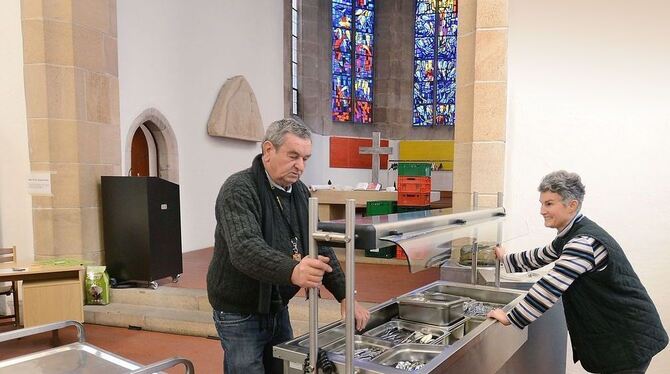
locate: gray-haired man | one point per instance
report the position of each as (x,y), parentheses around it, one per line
(259,260)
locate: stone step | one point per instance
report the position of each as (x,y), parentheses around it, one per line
(152,318)
(164,297)
(187,311)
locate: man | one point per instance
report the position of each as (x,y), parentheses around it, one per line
(260,253)
(613,324)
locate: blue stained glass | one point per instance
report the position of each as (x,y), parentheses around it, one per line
(352,39)
(436,21)
(445,115)
(341,16)
(363,89)
(446,48)
(363,44)
(364,66)
(423,115)
(423,93)
(341,110)
(363,112)
(424,48)
(341,84)
(424,70)
(425,6)
(341,41)
(425,25)
(365,20)
(446,70)
(446,92)
(451,5)
(448,23)
(365,4)
(341,63)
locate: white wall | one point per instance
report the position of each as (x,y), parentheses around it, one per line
(16,225)
(588,92)
(174,56)
(319,172)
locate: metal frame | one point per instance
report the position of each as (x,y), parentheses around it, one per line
(133,367)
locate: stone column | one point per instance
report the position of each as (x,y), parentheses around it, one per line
(72,104)
(481,79)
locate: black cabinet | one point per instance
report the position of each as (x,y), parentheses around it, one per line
(142,229)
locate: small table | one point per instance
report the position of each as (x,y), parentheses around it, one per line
(51,293)
(332,203)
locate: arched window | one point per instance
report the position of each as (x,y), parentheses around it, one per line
(353,33)
(435,32)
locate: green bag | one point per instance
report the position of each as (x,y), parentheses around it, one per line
(97,285)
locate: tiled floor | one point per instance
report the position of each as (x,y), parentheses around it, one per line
(375,283)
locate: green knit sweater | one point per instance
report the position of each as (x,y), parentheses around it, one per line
(244,268)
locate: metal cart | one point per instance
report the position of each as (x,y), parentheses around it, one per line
(77,358)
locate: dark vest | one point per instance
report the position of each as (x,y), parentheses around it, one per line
(613,323)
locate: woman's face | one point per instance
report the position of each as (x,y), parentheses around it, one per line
(555,212)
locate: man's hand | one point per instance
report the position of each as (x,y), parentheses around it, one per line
(361,314)
(500,252)
(499,315)
(309,272)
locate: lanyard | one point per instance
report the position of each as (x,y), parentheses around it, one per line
(294,240)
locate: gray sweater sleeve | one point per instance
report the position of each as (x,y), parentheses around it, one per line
(238,210)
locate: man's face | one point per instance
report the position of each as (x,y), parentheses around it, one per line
(556,214)
(286,164)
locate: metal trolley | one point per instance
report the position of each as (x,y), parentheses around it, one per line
(77,358)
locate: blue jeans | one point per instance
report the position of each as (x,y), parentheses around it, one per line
(247,340)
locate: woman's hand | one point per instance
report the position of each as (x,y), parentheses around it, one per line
(500,252)
(499,315)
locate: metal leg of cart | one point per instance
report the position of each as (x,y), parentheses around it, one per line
(79,357)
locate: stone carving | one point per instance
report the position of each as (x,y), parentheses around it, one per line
(235,113)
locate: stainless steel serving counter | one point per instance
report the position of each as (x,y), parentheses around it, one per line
(467,345)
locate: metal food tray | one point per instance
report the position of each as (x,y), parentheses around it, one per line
(326,337)
(361,343)
(435,308)
(406,330)
(77,358)
(408,352)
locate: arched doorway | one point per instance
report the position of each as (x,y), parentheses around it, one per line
(144,162)
(161,143)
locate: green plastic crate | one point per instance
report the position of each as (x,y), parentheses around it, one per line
(405,209)
(386,252)
(414,169)
(380,207)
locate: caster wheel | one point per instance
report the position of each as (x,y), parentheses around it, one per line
(113,283)
(175,278)
(153,285)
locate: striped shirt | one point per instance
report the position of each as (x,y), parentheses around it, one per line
(582,254)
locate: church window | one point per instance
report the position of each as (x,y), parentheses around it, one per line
(435,32)
(352,56)
(294,57)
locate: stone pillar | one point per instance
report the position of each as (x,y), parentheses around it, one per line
(72,104)
(481,80)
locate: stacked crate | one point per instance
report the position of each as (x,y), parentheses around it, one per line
(414,186)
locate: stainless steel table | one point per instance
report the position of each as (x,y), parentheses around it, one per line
(77,358)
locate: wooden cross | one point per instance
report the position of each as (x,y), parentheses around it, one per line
(375,151)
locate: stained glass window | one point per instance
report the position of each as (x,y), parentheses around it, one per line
(353,24)
(435,33)
(294,57)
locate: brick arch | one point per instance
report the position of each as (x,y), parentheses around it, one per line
(166,143)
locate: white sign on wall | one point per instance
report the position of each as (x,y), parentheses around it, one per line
(39,183)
